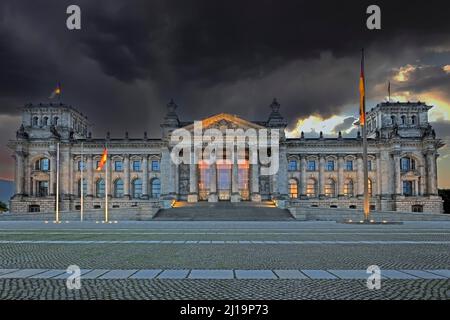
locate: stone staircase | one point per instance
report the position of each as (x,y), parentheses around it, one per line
(224,211)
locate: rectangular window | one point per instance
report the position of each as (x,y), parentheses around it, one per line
(349,165)
(81,165)
(137,165)
(292,165)
(407,188)
(155,165)
(369,165)
(42,188)
(45,164)
(118,165)
(330,165)
(311,165)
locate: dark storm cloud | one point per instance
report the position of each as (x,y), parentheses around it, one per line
(345,125)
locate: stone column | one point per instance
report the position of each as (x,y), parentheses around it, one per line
(65,173)
(212,197)
(90,176)
(193,179)
(145,177)
(321,176)
(303,177)
(235,196)
(256,196)
(110,178)
(27,172)
(431,164)
(379,175)
(126,182)
(19,173)
(52,183)
(397,174)
(360,177)
(282,177)
(341,179)
(422,181)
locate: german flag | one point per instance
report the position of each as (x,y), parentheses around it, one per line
(103,160)
(362,94)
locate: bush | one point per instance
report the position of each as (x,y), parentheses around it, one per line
(3,207)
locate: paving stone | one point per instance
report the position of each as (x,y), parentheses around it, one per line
(350,274)
(4,271)
(65,275)
(117,274)
(423,274)
(444,273)
(290,274)
(48,274)
(94,274)
(318,274)
(24,273)
(173,274)
(396,274)
(211,274)
(146,274)
(255,274)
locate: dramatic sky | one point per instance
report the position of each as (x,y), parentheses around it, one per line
(131,57)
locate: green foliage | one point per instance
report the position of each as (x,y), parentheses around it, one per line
(3,207)
(445,194)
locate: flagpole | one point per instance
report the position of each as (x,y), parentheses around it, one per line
(57,183)
(106,186)
(364,134)
(82,183)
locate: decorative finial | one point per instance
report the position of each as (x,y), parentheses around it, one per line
(321,135)
(145,135)
(126,135)
(108,135)
(171,106)
(275,105)
(302,135)
(340,135)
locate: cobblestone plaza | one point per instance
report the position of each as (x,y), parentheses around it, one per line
(224,260)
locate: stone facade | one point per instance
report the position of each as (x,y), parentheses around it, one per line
(320,172)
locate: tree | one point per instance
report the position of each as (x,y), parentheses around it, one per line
(3,207)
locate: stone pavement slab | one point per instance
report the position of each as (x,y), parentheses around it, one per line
(146,274)
(23,273)
(173,274)
(211,274)
(118,274)
(423,274)
(94,274)
(255,274)
(4,271)
(48,274)
(318,274)
(396,274)
(444,273)
(65,275)
(350,274)
(290,274)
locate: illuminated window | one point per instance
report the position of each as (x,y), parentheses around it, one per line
(330,188)
(369,183)
(293,188)
(348,188)
(311,188)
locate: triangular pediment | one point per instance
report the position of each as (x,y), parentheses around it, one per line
(225,120)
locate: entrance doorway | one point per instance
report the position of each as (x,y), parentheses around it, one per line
(224,180)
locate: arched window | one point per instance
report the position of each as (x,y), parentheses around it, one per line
(156,188)
(330,188)
(84,187)
(42,164)
(369,184)
(403,120)
(293,189)
(413,120)
(35,121)
(45,121)
(100,188)
(393,120)
(348,188)
(118,188)
(55,121)
(136,188)
(311,188)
